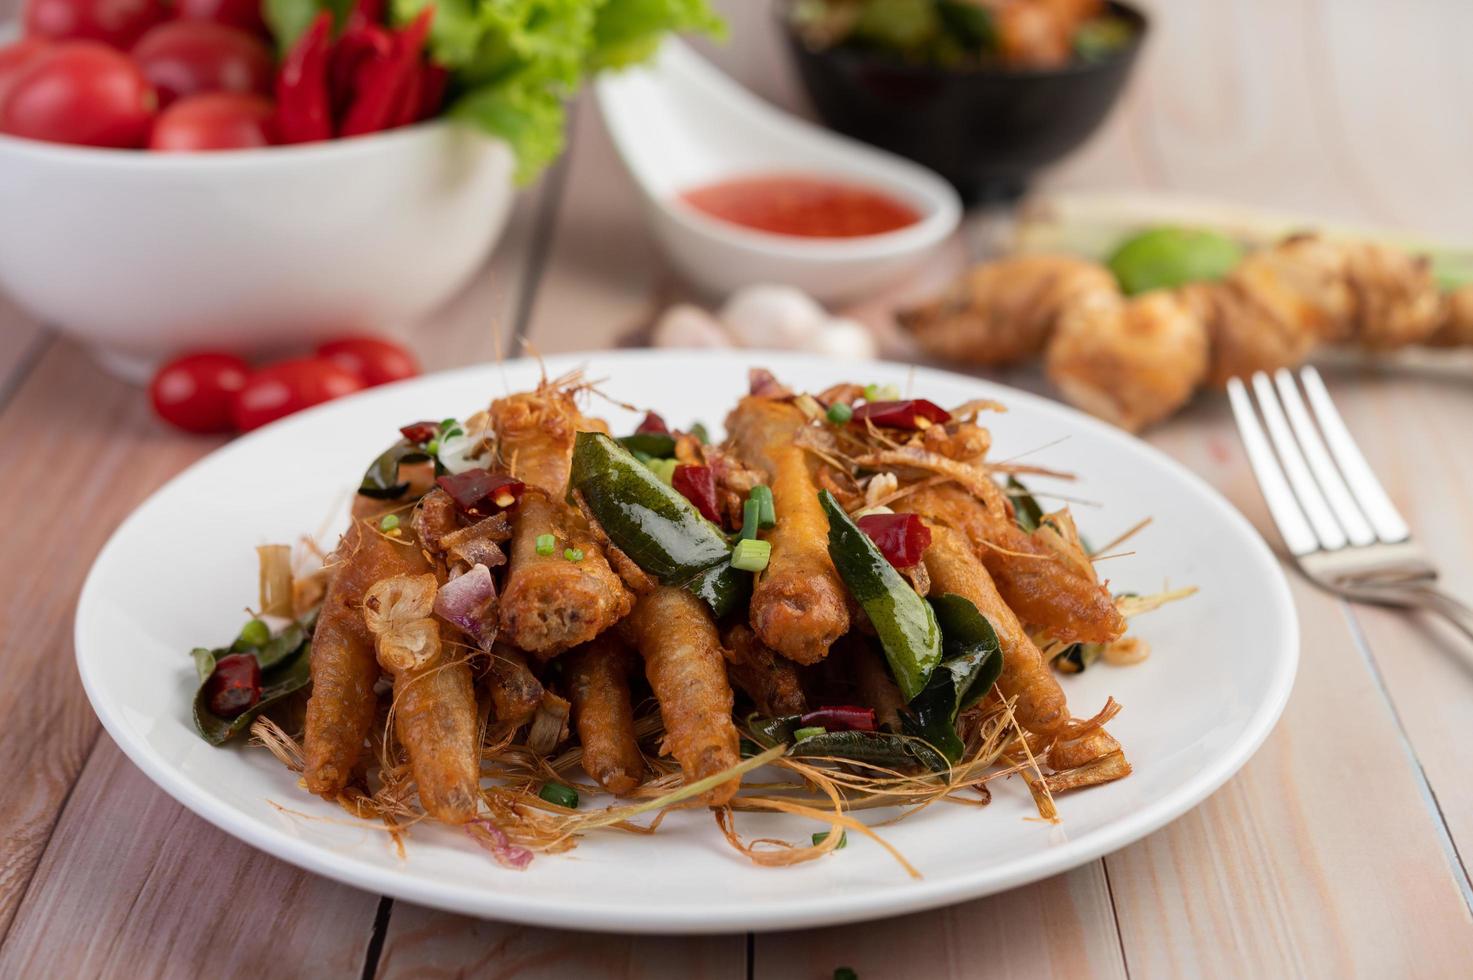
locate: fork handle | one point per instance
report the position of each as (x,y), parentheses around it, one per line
(1450,608)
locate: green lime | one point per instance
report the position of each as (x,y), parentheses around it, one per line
(1163,258)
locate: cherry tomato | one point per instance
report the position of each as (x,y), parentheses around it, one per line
(289,386)
(213,121)
(16,57)
(375,360)
(186,57)
(244,14)
(194,392)
(115,22)
(79,92)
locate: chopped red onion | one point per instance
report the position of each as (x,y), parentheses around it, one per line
(468,602)
(500,846)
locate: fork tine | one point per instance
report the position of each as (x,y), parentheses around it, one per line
(1369,493)
(1321,518)
(1336,492)
(1299,537)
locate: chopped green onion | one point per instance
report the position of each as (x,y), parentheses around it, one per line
(546,544)
(763,496)
(559,795)
(843,842)
(573,554)
(447,424)
(432,447)
(840,414)
(751,555)
(389,522)
(699,431)
(452,432)
(802,733)
(881,393)
(255,634)
(751,518)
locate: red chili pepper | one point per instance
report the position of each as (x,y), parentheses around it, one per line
(357,48)
(433,80)
(901,538)
(406,103)
(652,423)
(481,493)
(901,415)
(840,718)
(420,432)
(303,109)
(365,13)
(235,685)
(698,485)
(382,80)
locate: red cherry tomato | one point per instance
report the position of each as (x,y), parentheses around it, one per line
(244,14)
(186,57)
(79,92)
(373,359)
(115,22)
(16,57)
(213,121)
(289,386)
(194,392)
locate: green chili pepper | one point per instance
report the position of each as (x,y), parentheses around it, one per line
(559,795)
(904,622)
(654,524)
(972,661)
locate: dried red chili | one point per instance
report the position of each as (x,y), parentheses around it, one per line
(915,413)
(698,485)
(840,718)
(358,47)
(481,493)
(234,686)
(420,432)
(303,106)
(652,423)
(901,538)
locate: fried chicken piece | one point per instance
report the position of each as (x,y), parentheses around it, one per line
(798,605)
(1456,326)
(341,708)
(1004,311)
(1034,581)
(1131,362)
(771,681)
(597,675)
(686,669)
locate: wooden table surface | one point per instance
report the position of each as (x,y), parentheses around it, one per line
(1339,850)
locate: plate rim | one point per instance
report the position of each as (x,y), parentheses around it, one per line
(492,903)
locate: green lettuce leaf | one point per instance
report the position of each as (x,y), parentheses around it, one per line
(629,31)
(531,120)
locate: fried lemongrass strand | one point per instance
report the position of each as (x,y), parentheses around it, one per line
(685,667)
(1025,674)
(798,605)
(276,589)
(342,705)
(597,675)
(434,706)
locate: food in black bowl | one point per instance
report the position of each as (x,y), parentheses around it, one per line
(985,92)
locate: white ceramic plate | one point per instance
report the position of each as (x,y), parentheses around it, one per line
(179,571)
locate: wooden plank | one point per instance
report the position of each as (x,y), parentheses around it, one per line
(1062,927)
(135,885)
(424,943)
(77,467)
(1288,869)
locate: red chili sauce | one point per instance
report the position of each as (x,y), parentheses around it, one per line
(810,207)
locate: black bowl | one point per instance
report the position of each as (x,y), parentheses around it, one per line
(984,129)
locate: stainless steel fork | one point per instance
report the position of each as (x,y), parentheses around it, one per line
(1337,521)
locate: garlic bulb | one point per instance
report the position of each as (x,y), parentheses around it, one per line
(843,338)
(768,315)
(685,325)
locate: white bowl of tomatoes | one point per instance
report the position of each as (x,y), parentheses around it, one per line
(126,225)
